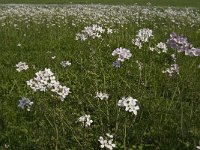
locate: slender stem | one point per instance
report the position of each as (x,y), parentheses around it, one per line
(108,119)
(125,134)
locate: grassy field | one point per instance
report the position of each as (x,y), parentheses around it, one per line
(88,36)
(177,3)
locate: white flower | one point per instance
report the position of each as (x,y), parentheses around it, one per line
(19,45)
(109,31)
(53,57)
(173,57)
(21,66)
(107,142)
(142,36)
(152,49)
(140,64)
(137,42)
(45,80)
(93,32)
(6,146)
(65,63)
(101,95)
(85,120)
(145,34)
(162,46)
(130,104)
(174,69)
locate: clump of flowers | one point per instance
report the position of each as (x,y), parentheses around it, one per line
(65,64)
(45,80)
(107,142)
(174,69)
(21,66)
(142,37)
(85,120)
(181,44)
(25,102)
(130,104)
(160,47)
(122,54)
(101,95)
(193,52)
(93,31)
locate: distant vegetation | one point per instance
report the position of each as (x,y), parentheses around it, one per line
(177,3)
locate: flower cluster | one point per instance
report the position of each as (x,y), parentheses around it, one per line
(142,36)
(25,102)
(160,47)
(193,52)
(122,54)
(174,69)
(101,95)
(21,66)
(85,120)
(107,142)
(93,31)
(181,44)
(65,64)
(46,80)
(130,104)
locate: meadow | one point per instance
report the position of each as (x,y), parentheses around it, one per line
(173,3)
(93,76)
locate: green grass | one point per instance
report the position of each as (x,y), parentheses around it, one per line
(177,3)
(169,106)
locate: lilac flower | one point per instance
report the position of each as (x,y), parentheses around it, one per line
(117,64)
(25,102)
(193,52)
(179,43)
(122,54)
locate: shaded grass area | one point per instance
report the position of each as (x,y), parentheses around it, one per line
(177,3)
